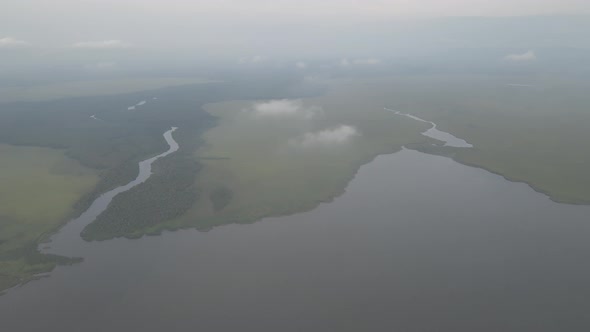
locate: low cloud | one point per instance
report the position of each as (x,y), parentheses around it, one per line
(301,65)
(284,108)
(327,137)
(9,42)
(368,61)
(527,56)
(102,44)
(253,59)
(106,66)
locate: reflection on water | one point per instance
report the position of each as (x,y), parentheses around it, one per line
(417,243)
(433,132)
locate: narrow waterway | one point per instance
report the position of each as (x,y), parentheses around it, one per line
(433,132)
(67,241)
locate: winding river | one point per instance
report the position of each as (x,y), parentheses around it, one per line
(67,241)
(433,132)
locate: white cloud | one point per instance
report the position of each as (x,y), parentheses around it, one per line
(106,66)
(284,108)
(258,58)
(253,59)
(9,42)
(301,65)
(102,44)
(369,61)
(527,56)
(327,137)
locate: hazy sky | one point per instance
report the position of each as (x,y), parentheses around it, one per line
(291,8)
(53,23)
(101,34)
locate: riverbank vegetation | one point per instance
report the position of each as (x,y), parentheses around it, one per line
(99,140)
(268,153)
(263,158)
(516,131)
(38,191)
(270,158)
(167,194)
(527,128)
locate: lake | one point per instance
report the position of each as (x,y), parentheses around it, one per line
(417,243)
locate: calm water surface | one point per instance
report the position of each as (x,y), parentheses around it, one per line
(417,243)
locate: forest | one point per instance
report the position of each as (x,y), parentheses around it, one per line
(104,138)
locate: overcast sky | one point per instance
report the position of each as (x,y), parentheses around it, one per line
(290,8)
(256,30)
(79,21)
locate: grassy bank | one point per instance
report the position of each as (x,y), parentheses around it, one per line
(171,191)
(57,158)
(261,164)
(536,133)
(38,191)
(530,134)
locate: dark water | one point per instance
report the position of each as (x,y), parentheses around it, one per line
(417,243)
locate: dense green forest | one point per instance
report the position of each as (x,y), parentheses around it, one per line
(107,135)
(167,194)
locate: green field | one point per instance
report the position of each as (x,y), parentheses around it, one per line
(38,190)
(255,160)
(532,134)
(536,134)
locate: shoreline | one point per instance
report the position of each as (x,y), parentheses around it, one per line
(43,244)
(102,201)
(553,198)
(299,210)
(548,194)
